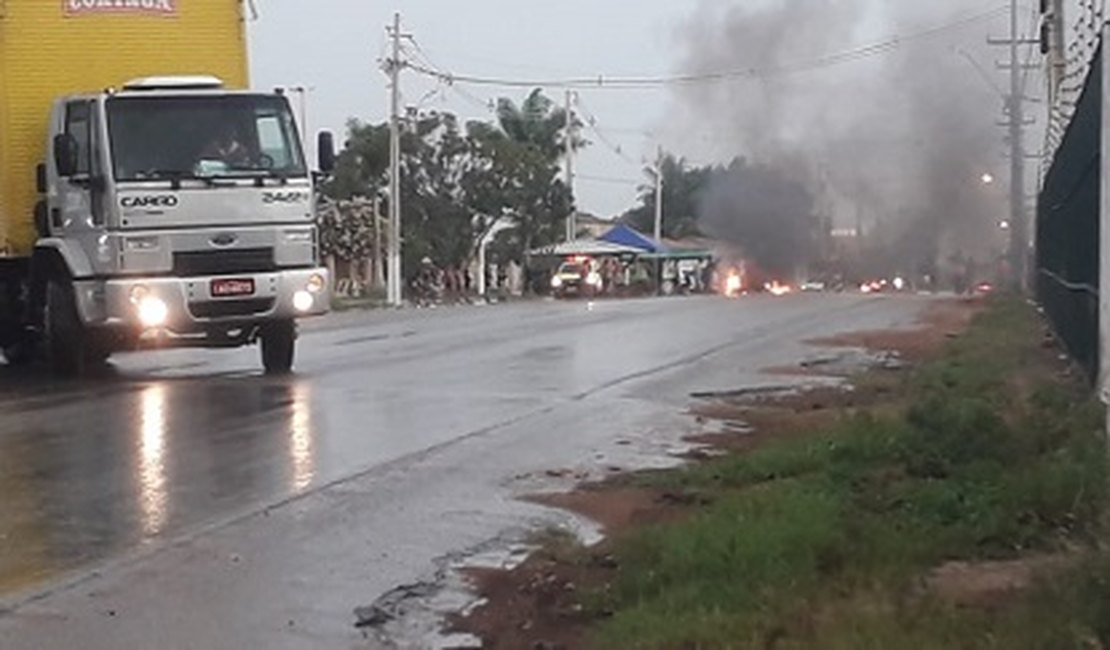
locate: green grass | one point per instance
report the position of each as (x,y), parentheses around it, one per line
(822,538)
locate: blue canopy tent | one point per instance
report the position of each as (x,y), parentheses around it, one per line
(672,265)
(629,236)
(588,247)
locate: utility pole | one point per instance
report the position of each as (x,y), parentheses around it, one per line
(395,293)
(572,219)
(1015,110)
(377,272)
(1104,235)
(658,232)
(1018,234)
(659,196)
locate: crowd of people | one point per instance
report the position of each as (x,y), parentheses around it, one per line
(432,284)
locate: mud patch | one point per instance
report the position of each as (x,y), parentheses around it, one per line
(743,425)
(537,605)
(992,584)
(943,321)
(410,617)
(840,364)
(618,508)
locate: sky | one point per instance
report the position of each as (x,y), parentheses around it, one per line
(335,47)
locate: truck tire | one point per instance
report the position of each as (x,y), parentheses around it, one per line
(97,353)
(279,342)
(63,334)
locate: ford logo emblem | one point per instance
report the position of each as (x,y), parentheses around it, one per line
(223,240)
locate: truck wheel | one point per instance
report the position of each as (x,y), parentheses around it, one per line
(63,334)
(279,340)
(98,353)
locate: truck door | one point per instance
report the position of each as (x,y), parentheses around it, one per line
(80,206)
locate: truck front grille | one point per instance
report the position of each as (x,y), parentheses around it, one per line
(240,260)
(231,308)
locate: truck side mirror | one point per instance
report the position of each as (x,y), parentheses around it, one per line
(325,148)
(66,153)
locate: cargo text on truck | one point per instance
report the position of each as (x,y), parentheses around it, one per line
(147,199)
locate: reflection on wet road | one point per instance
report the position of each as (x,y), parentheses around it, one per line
(152,460)
(84,478)
(164,445)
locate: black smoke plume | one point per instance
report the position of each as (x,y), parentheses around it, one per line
(893,141)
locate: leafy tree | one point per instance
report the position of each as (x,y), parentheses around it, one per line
(537,124)
(437,211)
(683,187)
(524,186)
(457,183)
(363,164)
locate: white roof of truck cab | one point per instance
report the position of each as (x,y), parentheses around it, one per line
(194,82)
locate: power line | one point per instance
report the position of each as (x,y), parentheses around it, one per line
(591,122)
(418,52)
(1033,21)
(610,180)
(987,78)
(632,82)
(487,106)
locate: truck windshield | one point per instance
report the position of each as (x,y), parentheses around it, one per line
(203,137)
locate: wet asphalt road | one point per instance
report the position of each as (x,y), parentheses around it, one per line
(393,444)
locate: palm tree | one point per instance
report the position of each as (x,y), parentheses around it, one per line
(537,123)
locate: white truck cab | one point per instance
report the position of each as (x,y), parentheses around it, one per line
(174,213)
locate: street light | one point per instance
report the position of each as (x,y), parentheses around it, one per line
(987,179)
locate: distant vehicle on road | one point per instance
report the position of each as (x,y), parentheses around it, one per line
(576,278)
(874,286)
(778,289)
(898,284)
(984,288)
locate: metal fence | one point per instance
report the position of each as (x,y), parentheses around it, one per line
(1068,211)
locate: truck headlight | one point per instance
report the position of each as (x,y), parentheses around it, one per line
(556,282)
(594,279)
(303,301)
(153,312)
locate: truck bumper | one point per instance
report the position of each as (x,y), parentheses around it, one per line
(192,309)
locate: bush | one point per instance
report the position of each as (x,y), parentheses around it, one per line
(946,432)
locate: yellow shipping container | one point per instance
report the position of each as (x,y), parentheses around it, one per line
(50,48)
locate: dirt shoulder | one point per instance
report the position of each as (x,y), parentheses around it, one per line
(806,471)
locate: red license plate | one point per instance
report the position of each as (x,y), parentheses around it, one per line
(232,287)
